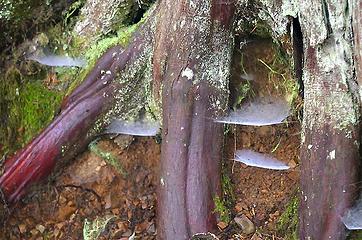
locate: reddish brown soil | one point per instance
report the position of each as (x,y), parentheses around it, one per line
(263,194)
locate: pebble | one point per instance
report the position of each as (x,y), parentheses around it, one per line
(256,237)
(246,225)
(40,228)
(222,225)
(22,228)
(240,206)
(124,141)
(151,229)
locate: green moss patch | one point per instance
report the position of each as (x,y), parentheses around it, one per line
(287,225)
(32,109)
(221,209)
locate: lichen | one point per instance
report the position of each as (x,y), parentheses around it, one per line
(94,51)
(92,230)
(275,14)
(98,17)
(130,99)
(339,108)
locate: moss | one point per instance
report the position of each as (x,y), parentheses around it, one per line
(280,73)
(74,8)
(254,28)
(38,108)
(260,29)
(27,106)
(355,235)
(221,209)
(224,204)
(287,224)
(227,188)
(243,91)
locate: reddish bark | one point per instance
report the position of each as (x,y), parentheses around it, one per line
(357,32)
(192,142)
(329,154)
(328,185)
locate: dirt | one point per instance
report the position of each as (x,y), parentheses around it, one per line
(91,188)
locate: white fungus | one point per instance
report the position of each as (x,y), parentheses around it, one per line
(260,160)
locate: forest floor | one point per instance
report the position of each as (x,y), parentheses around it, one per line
(91,189)
(91,196)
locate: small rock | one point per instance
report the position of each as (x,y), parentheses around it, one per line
(204,236)
(34,232)
(255,237)
(246,225)
(22,228)
(40,228)
(294,175)
(128,233)
(108,201)
(65,212)
(222,225)
(151,229)
(240,206)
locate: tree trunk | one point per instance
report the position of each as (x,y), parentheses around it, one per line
(330,146)
(192,60)
(330,137)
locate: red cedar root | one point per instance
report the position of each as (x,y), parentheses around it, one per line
(190,41)
(71,131)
